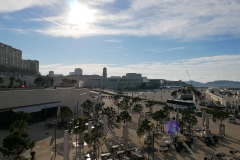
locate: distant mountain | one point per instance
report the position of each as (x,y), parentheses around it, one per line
(218,83)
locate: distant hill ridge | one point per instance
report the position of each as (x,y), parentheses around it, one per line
(217,83)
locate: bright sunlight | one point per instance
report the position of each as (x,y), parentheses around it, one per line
(80,15)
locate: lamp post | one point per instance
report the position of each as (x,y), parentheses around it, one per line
(55,139)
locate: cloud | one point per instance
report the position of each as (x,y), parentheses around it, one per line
(6,16)
(202,69)
(177,48)
(171,19)
(13,5)
(166,50)
(113,40)
(125,54)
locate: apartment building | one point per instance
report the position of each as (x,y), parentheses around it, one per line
(10,56)
(30,64)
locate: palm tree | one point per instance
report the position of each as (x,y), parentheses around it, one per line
(124,117)
(189,119)
(149,104)
(174,94)
(95,139)
(125,103)
(98,108)
(87,105)
(111,113)
(65,113)
(220,116)
(78,126)
(137,107)
(146,127)
(168,109)
(159,116)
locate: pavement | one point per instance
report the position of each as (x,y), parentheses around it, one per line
(45,139)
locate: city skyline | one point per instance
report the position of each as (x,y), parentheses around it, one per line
(159,39)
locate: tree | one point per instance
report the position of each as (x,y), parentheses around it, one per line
(137,107)
(159,116)
(174,94)
(149,104)
(124,117)
(20,116)
(146,127)
(15,144)
(168,109)
(189,90)
(220,116)
(126,103)
(12,79)
(184,90)
(19,81)
(95,139)
(73,82)
(98,108)
(189,119)
(1,80)
(111,113)
(18,141)
(78,126)
(65,113)
(39,81)
(88,105)
(20,126)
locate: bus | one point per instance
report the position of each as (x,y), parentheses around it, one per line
(180,104)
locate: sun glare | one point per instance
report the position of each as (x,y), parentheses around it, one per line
(80,15)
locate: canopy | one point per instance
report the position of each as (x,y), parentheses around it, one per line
(30,109)
(49,105)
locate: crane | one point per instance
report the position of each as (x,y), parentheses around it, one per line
(189,77)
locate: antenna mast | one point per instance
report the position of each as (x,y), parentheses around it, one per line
(189,77)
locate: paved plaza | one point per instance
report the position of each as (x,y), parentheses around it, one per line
(45,139)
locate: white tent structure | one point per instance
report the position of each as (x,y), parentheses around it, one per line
(125,136)
(105,125)
(89,127)
(139,121)
(207,124)
(177,116)
(81,112)
(66,145)
(58,113)
(203,117)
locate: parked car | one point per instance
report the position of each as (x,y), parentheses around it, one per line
(23,86)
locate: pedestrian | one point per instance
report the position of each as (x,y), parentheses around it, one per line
(33,155)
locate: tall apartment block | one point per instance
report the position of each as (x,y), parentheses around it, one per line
(10,56)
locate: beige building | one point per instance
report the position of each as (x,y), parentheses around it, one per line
(10,56)
(30,64)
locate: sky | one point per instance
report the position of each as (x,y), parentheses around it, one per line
(157,38)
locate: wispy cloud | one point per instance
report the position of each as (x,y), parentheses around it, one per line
(125,54)
(201,69)
(6,16)
(173,19)
(177,48)
(113,40)
(13,5)
(166,50)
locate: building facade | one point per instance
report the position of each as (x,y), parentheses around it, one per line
(10,56)
(131,80)
(78,71)
(30,64)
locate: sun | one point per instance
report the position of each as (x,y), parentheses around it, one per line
(80,15)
